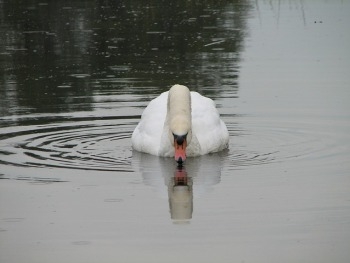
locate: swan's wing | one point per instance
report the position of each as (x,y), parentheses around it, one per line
(207,126)
(147,134)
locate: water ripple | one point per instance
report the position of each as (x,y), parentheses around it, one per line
(280,141)
(104,144)
(88,145)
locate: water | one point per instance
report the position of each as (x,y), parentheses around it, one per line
(75,79)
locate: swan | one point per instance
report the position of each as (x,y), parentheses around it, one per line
(179,123)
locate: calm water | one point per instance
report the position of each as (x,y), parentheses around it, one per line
(75,78)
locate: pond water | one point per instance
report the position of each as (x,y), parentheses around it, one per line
(75,78)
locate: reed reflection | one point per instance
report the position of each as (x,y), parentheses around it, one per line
(181,185)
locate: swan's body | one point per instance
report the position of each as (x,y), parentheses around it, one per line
(180,123)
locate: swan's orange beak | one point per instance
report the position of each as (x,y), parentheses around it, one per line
(180,149)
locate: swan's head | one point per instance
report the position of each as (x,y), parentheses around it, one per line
(180,135)
(179,112)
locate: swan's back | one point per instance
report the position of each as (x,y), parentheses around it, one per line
(147,134)
(209,129)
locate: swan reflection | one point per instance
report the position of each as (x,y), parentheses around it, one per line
(180,195)
(180,184)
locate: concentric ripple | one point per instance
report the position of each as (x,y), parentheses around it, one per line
(308,142)
(89,145)
(103,144)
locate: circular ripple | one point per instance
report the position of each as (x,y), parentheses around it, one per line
(83,145)
(105,145)
(278,141)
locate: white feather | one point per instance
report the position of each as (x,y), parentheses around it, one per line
(209,132)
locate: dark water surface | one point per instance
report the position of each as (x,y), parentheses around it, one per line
(75,77)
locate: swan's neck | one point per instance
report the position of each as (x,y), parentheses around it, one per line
(179,110)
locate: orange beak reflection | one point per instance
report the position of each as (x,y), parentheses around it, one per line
(180,150)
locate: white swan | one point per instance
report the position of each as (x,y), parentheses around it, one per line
(180,123)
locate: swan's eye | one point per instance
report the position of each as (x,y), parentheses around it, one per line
(179,138)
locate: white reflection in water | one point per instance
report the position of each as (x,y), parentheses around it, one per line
(180,184)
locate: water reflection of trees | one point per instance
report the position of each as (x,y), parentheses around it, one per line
(56,54)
